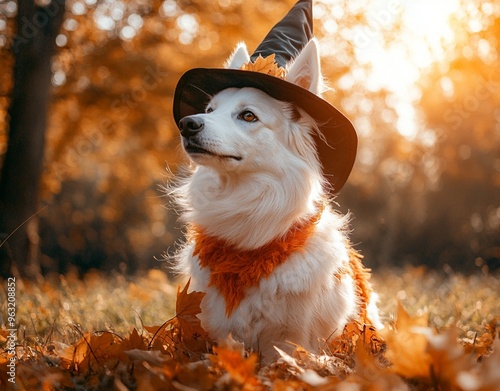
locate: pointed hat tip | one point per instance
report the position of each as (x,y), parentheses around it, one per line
(287,38)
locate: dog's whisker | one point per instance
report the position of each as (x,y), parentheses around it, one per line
(201,90)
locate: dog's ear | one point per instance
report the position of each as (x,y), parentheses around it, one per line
(239,57)
(305,71)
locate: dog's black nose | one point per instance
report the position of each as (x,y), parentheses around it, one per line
(190,126)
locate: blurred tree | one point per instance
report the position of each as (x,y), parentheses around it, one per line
(462,109)
(33,47)
(110,131)
(434,199)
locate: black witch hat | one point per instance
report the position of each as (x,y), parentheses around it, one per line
(337,143)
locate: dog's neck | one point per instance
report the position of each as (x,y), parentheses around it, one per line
(252,209)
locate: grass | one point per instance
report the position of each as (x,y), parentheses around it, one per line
(451,299)
(54,305)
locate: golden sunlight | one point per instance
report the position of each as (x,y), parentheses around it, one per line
(397,40)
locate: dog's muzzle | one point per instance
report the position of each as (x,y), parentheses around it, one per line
(190,126)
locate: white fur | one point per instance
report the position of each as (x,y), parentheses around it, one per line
(305,69)
(259,179)
(239,57)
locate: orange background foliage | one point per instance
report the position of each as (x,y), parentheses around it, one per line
(431,198)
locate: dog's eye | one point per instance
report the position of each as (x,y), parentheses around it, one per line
(248,116)
(209,110)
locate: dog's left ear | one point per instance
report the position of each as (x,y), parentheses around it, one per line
(239,57)
(306,69)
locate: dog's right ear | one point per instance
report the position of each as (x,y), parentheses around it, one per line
(305,71)
(239,57)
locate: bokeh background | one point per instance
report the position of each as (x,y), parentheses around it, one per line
(419,79)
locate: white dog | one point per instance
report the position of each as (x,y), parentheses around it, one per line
(257,190)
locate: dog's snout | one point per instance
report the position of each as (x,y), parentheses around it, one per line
(190,126)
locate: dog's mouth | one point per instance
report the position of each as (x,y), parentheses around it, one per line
(194,149)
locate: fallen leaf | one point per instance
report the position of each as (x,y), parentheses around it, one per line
(407,349)
(3,335)
(195,376)
(306,375)
(92,350)
(134,341)
(74,356)
(451,366)
(482,345)
(241,370)
(488,369)
(371,375)
(187,308)
(153,357)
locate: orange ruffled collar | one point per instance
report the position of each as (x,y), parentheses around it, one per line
(233,271)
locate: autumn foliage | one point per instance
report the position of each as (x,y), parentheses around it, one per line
(266,65)
(407,355)
(428,197)
(424,197)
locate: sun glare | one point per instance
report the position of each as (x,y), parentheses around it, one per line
(429,22)
(401,39)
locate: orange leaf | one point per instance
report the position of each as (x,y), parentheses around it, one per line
(483,344)
(449,360)
(266,65)
(345,344)
(153,329)
(92,349)
(3,335)
(489,369)
(74,356)
(133,342)
(241,369)
(406,348)
(370,374)
(187,308)
(152,357)
(106,346)
(166,336)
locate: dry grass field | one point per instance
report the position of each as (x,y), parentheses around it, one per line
(119,333)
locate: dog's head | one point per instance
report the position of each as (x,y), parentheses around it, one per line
(246,130)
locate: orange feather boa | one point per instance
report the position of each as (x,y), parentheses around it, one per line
(233,271)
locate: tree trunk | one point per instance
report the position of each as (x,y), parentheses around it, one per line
(34,46)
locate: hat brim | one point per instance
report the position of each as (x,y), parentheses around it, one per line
(337,144)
